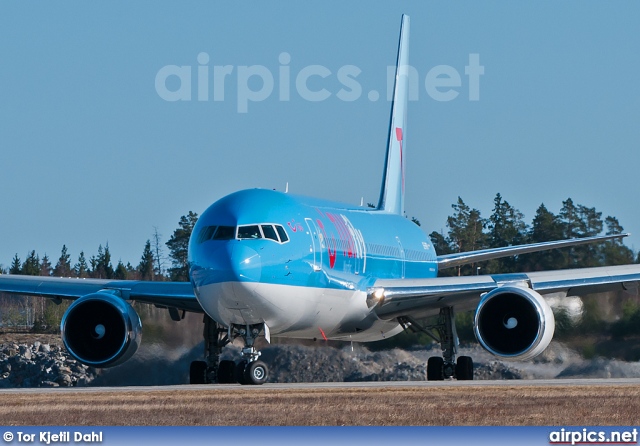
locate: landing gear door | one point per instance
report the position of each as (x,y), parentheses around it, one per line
(316,244)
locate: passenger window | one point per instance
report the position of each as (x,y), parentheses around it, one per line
(206,233)
(282,233)
(269,232)
(249,232)
(225,233)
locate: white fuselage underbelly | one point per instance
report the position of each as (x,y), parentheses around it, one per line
(296,311)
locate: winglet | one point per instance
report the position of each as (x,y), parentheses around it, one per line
(392,192)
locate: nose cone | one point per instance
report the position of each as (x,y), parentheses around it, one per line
(245,263)
(229,262)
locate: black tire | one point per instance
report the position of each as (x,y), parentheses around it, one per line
(227,372)
(435,369)
(256,373)
(464,369)
(198,372)
(240,367)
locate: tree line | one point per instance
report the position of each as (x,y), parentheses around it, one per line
(468,231)
(100,266)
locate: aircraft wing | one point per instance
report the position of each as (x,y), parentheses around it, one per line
(178,295)
(464,258)
(422,297)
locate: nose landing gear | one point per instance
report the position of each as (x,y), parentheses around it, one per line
(249,370)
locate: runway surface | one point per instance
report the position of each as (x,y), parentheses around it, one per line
(544,383)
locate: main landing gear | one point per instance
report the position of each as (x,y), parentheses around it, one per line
(249,370)
(440,368)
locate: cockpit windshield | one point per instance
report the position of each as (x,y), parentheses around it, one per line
(268,231)
(252,231)
(225,233)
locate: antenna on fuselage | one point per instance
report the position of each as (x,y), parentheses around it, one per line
(286,188)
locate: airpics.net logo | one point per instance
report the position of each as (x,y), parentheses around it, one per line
(255,83)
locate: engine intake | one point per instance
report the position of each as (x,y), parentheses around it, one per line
(101,330)
(514,323)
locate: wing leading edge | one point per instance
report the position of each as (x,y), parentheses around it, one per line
(178,295)
(465,258)
(401,297)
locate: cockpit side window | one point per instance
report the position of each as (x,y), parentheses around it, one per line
(282,233)
(249,232)
(225,233)
(206,233)
(269,232)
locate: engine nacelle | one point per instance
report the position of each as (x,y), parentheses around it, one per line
(101,330)
(514,323)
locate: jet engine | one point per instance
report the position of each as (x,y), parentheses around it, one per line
(101,330)
(514,323)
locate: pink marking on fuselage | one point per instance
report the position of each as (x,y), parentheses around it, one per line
(328,241)
(295,227)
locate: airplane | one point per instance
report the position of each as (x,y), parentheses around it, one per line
(265,263)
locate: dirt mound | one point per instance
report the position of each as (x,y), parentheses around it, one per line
(27,364)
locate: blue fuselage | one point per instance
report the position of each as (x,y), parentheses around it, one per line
(255,242)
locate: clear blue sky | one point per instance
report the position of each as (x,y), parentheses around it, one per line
(90,153)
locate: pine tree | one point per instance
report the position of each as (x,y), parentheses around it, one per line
(178,246)
(31,266)
(440,243)
(101,267)
(131,271)
(581,221)
(546,227)
(145,268)
(45,266)
(442,246)
(81,268)
(466,228)
(121,272)
(63,267)
(591,221)
(572,224)
(466,232)
(16,265)
(614,252)
(506,227)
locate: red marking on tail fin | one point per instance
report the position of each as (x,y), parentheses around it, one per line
(399,138)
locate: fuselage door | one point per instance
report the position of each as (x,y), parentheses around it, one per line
(401,257)
(316,244)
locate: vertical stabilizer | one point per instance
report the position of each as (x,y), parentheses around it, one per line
(392,193)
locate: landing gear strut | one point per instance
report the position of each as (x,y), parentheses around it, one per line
(249,370)
(440,368)
(211,370)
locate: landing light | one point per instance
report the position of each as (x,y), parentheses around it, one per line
(375,297)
